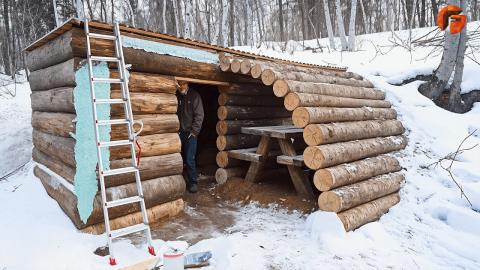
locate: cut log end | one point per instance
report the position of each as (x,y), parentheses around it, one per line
(323,180)
(329,201)
(312,135)
(221,143)
(225,63)
(256,71)
(245,66)
(268,77)
(291,101)
(300,117)
(313,157)
(235,66)
(222,113)
(280,88)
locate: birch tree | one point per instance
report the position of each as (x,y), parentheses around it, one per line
(351,27)
(328,21)
(340,25)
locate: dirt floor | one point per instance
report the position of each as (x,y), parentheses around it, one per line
(212,210)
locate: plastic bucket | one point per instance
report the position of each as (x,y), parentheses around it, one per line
(173,260)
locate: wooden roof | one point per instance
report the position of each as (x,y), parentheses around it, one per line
(74,22)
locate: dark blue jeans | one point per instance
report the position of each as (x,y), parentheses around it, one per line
(189,150)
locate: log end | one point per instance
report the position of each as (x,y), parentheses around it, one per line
(221,176)
(268,77)
(291,101)
(280,88)
(329,201)
(300,117)
(256,71)
(221,128)
(245,66)
(221,143)
(225,63)
(222,159)
(323,180)
(222,113)
(313,135)
(313,158)
(235,66)
(222,99)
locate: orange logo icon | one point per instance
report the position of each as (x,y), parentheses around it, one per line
(451,16)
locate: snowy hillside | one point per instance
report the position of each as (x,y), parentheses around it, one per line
(432,227)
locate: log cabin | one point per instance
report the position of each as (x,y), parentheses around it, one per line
(347,128)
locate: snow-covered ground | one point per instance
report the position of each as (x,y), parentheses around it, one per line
(432,227)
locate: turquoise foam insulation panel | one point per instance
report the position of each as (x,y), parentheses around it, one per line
(86,186)
(167,49)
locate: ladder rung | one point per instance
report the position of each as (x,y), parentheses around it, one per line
(113,122)
(107,80)
(104,58)
(114,143)
(123,201)
(128,230)
(101,36)
(119,171)
(109,101)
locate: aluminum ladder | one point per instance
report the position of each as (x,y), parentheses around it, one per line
(125,101)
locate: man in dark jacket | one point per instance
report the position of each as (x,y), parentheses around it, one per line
(190,114)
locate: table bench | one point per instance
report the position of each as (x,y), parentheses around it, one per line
(286,156)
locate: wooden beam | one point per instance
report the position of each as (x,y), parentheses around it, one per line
(199,81)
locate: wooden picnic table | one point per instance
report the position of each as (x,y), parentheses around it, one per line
(289,157)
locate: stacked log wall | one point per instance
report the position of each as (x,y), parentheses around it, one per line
(243,105)
(54,119)
(349,128)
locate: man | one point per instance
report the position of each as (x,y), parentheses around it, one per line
(190,115)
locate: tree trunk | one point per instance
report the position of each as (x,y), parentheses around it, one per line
(280,20)
(351,28)
(340,25)
(303,116)
(317,134)
(146,82)
(57,147)
(346,197)
(328,21)
(7,53)
(323,156)
(231,23)
(350,173)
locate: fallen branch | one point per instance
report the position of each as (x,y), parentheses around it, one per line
(452,157)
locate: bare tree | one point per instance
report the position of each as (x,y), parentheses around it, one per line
(340,25)
(328,21)
(351,30)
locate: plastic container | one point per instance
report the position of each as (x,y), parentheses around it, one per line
(173,260)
